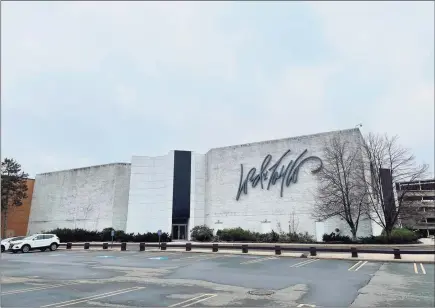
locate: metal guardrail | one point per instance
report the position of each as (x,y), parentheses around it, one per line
(214,247)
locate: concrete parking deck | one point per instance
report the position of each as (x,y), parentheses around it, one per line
(79,278)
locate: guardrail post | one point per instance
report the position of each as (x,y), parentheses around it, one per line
(354,252)
(313,251)
(123,246)
(397,254)
(163,246)
(141,246)
(215,248)
(277,250)
(68,245)
(244,248)
(87,245)
(105,245)
(188,246)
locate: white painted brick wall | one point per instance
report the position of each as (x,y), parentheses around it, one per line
(150,197)
(222,176)
(79,198)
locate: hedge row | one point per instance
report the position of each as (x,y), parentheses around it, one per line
(205,234)
(81,235)
(398,236)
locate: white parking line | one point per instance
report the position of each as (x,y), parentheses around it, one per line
(194,300)
(98,296)
(423,271)
(259,260)
(205,257)
(197,256)
(354,266)
(357,266)
(303,263)
(38,288)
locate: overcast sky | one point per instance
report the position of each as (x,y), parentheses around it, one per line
(88,83)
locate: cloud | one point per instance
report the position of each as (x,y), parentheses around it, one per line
(93,82)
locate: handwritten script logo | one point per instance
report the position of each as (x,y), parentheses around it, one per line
(287,174)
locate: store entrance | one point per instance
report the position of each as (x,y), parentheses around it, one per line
(179,231)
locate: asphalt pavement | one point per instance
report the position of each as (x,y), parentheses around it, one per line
(82,278)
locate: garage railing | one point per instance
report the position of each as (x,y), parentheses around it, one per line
(244,248)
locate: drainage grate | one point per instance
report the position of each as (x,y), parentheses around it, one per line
(261,292)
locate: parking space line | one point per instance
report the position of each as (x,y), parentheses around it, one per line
(199,258)
(194,300)
(259,260)
(303,263)
(38,288)
(357,266)
(98,296)
(423,271)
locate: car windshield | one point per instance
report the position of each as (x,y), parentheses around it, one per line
(28,238)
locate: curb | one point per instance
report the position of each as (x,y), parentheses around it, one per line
(304,256)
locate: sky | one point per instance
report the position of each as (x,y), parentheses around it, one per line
(89,83)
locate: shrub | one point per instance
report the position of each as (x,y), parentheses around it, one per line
(82,235)
(201,233)
(398,236)
(237,235)
(294,237)
(241,235)
(334,237)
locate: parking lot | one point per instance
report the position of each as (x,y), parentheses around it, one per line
(80,278)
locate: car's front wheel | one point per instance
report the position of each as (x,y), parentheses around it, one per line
(25,248)
(3,248)
(53,246)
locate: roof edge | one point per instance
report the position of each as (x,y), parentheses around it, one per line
(81,168)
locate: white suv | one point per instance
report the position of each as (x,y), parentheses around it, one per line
(5,242)
(35,242)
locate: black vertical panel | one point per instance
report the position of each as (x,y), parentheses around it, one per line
(387,192)
(181,186)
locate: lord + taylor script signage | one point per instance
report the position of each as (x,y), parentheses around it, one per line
(277,173)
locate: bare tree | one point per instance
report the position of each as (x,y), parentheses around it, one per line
(390,163)
(340,193)
(293,223)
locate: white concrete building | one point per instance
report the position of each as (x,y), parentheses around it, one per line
(92,198)
(181,190)
(175,192)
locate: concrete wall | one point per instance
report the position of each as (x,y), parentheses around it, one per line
(91,198)
(150,197)
(197,191)
(262,209)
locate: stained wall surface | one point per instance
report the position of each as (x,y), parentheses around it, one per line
(91,198)
(150,196)
(262,209)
